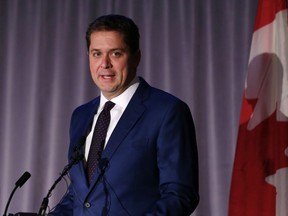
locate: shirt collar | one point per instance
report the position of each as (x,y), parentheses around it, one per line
(123,99)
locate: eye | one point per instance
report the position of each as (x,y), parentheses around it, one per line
(96,54)
(116,53)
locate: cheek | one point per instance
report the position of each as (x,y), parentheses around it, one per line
(93,72)
(93,66)
(123,67)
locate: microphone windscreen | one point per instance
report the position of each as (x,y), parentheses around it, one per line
(103,163)
(21,181)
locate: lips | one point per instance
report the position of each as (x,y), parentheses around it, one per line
(107,76)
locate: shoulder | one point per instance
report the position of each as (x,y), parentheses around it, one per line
(158,96)
(84,111)
(90,105)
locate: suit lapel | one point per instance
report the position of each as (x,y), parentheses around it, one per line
(131,115)
(129,118)
(85,123)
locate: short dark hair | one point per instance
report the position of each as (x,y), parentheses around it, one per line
(119,23)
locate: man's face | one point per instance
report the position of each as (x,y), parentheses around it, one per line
(112,64)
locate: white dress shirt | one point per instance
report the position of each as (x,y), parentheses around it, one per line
(116,112)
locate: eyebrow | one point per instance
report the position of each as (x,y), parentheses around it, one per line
(113,49)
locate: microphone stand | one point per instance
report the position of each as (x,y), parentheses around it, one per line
(9,200)
(21,181)
(45,201)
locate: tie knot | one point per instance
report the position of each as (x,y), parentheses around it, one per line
(108,106)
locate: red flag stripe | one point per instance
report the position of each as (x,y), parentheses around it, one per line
(267,11)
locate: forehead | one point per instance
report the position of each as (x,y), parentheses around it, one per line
(105,39)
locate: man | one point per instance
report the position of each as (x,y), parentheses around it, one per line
(149,163)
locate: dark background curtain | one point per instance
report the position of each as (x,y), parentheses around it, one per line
(195,49)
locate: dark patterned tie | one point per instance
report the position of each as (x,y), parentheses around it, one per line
(98,139)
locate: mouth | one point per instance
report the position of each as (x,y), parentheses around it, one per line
(107,77)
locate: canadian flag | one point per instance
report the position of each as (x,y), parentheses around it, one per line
(259,185)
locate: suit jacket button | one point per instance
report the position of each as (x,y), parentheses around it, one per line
(87,205)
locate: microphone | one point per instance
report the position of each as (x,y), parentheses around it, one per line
(103,164)
(78,153)
(77,157)
(20,182)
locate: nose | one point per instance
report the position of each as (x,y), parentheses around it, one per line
(106,63)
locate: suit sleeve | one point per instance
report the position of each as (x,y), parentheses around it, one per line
(177,163)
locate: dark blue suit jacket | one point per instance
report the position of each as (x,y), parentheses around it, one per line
(149,165)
